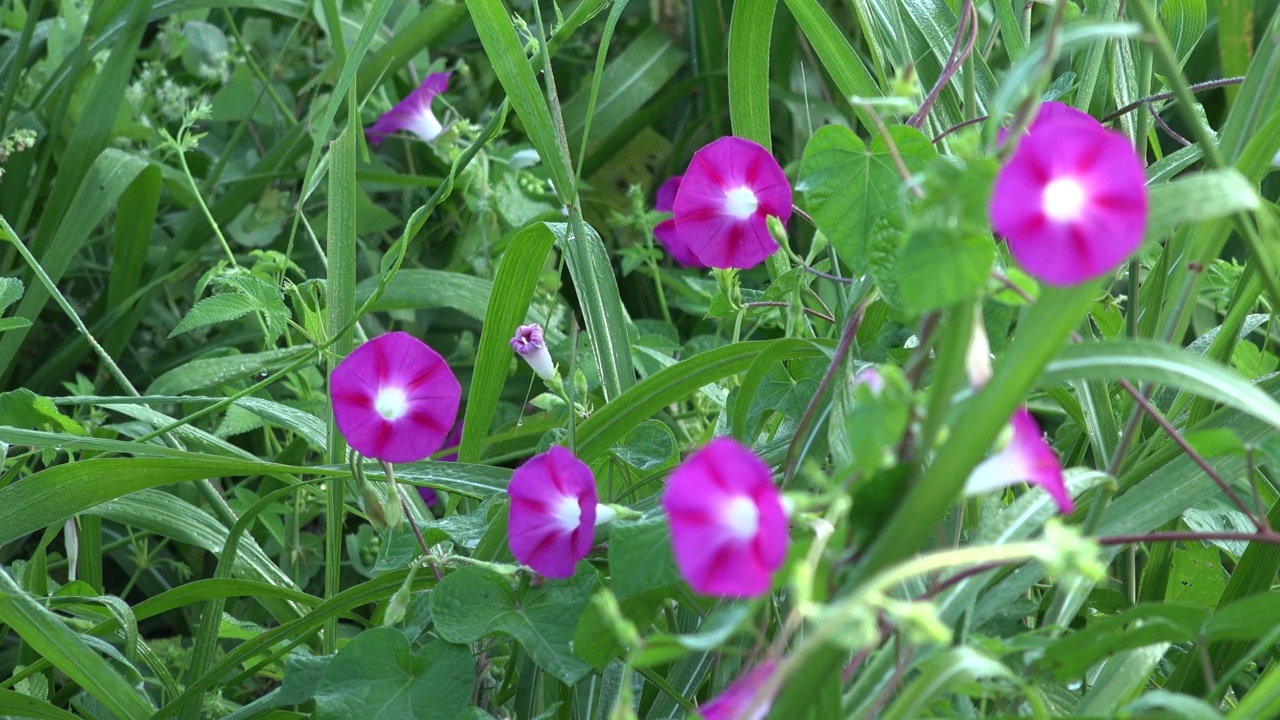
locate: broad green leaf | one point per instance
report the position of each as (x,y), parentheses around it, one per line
(208,372)
(473,602)
(650,447)
(512,291)
(377,676)
(937,270)
(953,671)
(474,481)
(640,557)
(415,288)
(848,186)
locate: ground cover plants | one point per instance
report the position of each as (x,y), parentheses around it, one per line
(607,359)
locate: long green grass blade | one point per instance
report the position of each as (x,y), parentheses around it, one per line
(750,33)
(512,291)
(57,643)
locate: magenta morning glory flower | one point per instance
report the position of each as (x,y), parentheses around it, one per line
(529,345)
(553,512)
(1071,202)
(871,377)
(1054,113)
(728,527)
(394,398)
(666,233)
(731,186)
(1027,458)
(412,114)
(738,698)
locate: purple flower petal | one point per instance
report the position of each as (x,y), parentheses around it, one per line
(1071,203)
(731,186)
(412,114)
(1051,113)
(528,344)
(553,512)
(394,398)
(666,199)
(1027,458)
(728,528)
(738,698)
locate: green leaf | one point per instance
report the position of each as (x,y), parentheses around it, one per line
(1197,197)
(10,290)
(750,34)
(15,704)
(936,270)
(25,409)
(511,65)
(208,372)
(604,317)
(55,494)
(612,422)
(377,676)
(848,186)
(837,56)
(650,447)
(1139,626)
(52,640)
(512,290)
(214,310)
(1184,21)
(1197,577)
(640,557)
(1153,361)
(473,602)
(628,82)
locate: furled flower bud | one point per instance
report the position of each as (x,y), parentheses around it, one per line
(528,344)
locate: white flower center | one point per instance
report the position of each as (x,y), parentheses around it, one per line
(740,203)
(567,514)
(391,403)
(1063,199)
(742,517)
(426,126)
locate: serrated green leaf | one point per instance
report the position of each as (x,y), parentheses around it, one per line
(213,310)
(10,290)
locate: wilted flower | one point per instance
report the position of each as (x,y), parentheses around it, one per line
(394,398)
(738,698)
(1027,458)
(412,114)
(553,512)
(731,186)
(528,344)
(1071,202)
(728,526)
(666,232)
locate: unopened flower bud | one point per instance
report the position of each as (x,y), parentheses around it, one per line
(529,345)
